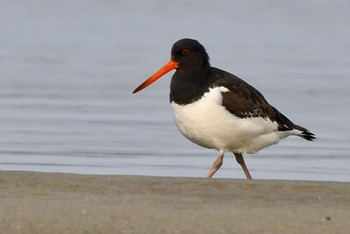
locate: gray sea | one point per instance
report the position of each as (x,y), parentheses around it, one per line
(67,70)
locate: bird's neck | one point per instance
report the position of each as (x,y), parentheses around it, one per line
(188,86)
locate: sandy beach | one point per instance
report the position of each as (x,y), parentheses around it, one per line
(33,202)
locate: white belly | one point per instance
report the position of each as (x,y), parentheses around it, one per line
(207,123)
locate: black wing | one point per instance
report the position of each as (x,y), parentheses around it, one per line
(244,101)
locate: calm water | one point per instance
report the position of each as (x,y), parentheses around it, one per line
(68,68)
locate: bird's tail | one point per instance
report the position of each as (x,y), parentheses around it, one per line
(306,134)
(286,125)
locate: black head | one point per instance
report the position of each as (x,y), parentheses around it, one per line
(186,55)
(189,54)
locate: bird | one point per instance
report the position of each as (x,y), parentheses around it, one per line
(218,110)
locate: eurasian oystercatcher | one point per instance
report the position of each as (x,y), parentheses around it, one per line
(217,110)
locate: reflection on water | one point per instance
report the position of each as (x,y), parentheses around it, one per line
(68,69)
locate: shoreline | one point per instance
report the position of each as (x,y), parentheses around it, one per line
(37,202)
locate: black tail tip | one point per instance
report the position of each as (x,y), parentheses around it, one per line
(307,135)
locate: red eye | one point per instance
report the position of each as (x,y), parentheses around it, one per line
(185,52)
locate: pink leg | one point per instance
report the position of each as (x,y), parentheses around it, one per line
(240,160)
(217,164)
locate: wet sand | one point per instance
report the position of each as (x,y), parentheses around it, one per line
(32,202)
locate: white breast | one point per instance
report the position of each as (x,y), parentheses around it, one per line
(207,123)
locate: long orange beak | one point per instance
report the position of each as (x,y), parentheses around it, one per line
(165,69)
